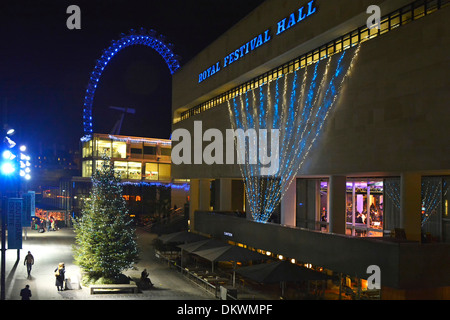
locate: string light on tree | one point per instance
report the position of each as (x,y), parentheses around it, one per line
(106,241)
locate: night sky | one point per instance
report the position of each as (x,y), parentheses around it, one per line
(45,67)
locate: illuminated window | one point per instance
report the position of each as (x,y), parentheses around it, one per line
(134,170)
(164,171)
(151,171)
(87,149)
(120,168)
(119,149)
(103,147)
(86,169)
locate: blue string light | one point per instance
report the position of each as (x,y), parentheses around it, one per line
(184,186)
(299,113)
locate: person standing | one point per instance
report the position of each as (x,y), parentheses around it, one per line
(29,261)
(60,276)
(25,293)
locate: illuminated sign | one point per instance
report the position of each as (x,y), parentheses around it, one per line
(294,18)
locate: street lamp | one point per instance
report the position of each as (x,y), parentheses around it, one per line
(10,162)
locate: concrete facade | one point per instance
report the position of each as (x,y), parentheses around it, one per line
(391,120)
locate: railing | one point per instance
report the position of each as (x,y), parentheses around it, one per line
(393,20)
(194,278)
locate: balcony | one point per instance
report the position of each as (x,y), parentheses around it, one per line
(403,264)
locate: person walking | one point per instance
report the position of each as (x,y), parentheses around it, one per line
(60,276)
(25,293)
(29,261)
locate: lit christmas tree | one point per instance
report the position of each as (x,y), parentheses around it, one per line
(105,236)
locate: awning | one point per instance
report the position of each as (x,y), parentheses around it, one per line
(230,253)
(280,271)
(201,245)
(181,237)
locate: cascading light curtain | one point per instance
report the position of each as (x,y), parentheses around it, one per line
(297,105)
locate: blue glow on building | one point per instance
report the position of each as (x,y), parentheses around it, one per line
(299,110)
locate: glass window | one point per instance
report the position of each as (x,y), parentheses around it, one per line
(346,42)
(134,170)
(406,16)
(166,151)
(365,207)
(312,204)
(384,26)
(136,151)
(395,21)
(119,149)
(151,171)
(87,149)
(120,168)
(103,147)
(445,209)
(150,150)
(87,169)
(164,171)
(391,205)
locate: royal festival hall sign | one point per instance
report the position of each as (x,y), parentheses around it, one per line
(294,18)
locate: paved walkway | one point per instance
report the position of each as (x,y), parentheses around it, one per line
(52,247)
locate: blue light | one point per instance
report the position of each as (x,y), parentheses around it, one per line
(7,155)
(7,168)
(299,111)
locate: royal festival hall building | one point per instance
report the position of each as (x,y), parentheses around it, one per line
(362,113)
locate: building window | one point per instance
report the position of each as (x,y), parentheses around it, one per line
(87,149)
(134,170)
(166,151)
(103,147)
(120,168)
(365,207)
(149,150)
(151,171)
(86,169)
(312,204)
(119,149)
(164,171)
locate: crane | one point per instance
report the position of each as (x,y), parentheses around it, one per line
(118,126)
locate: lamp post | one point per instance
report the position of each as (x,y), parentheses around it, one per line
(8,169)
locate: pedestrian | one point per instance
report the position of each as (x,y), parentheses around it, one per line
(60,275)
(29,261)
(25,293)
(145,282)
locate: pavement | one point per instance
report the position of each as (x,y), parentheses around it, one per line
(51,248)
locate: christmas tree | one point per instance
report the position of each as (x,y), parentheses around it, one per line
(105,236)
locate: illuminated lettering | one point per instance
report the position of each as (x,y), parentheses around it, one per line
(281,26)
(294,18)
(246,48)
(209,72)
(301,15)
